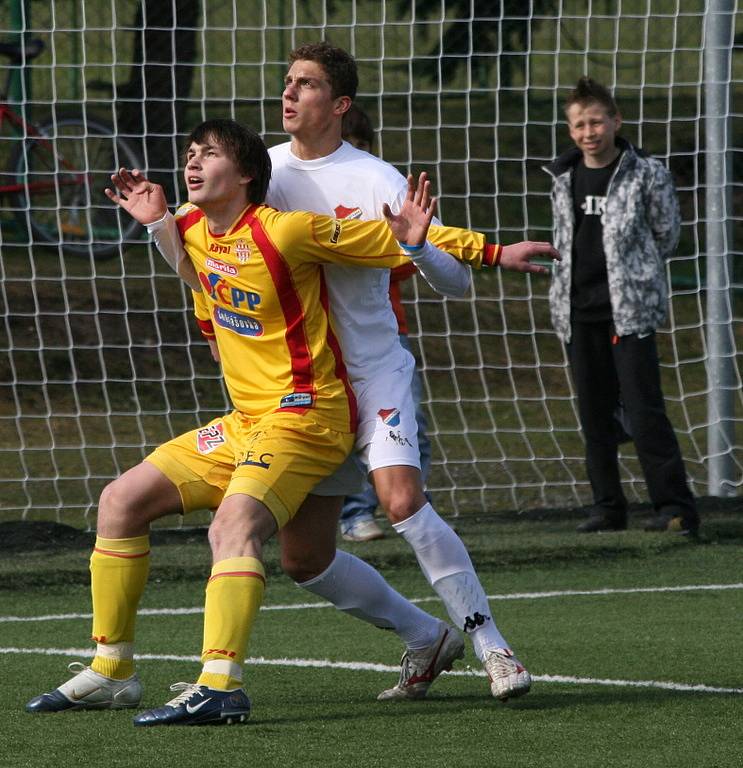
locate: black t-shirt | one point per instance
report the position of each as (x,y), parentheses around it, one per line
(589,295)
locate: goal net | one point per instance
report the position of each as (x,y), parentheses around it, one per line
(100,360)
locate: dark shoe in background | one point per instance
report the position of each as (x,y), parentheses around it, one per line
(603,520)
(683,523)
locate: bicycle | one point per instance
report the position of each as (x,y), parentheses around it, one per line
(58,171)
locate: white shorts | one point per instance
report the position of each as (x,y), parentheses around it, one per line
(346,480)
(387,435)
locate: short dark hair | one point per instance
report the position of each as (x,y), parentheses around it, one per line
(243,146)
(588,91)
(339,66)
(357,123)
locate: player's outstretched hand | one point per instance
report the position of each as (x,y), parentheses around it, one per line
(411,225)
(142,199)
(519,255)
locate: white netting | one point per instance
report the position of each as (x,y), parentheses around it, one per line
(100,358)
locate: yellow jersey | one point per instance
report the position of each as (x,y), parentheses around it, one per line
(264,300)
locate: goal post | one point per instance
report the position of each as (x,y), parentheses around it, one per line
(100,360)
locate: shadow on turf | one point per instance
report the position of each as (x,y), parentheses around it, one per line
(722,520)
(437,705)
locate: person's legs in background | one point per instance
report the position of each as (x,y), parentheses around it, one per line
(657,447)
(597,388)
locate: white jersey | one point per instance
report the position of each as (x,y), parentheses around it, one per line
(348,183)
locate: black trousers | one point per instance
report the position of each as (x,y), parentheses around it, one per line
(606,370)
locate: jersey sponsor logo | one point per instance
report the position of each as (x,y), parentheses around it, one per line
(217,248)
(296,400)
(210,438)
(220,290)
(220,266)
(341,212)
(255,459)
(240,324)
(336,236)
(594,205)
(242,251)
(390,416)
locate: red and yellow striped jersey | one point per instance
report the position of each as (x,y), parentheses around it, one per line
(263,298)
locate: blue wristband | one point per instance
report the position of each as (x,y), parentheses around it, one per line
(410,248)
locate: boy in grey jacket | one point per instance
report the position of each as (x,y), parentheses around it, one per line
(616,219)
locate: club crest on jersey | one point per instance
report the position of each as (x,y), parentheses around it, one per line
(390,416)
(242,250)
(210,438)
(220,266)
(241,324)
(341,212)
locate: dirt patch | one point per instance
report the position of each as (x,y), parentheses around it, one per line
(34,536)
(28,536)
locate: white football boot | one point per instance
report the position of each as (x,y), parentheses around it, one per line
(89,690)
(418,669)
(508,676)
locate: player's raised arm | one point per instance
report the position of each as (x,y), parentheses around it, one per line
(518,256)
(145,201)
(142,199)
(410,225)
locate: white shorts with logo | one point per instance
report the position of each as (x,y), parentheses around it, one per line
(387,435)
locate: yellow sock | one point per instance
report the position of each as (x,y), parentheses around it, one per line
(118,573)
(233,596)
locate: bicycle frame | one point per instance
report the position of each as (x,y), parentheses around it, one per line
(27,130)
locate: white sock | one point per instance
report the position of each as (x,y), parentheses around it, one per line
(467,604)
(356,588)
(446,564)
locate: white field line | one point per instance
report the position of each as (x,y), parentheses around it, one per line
(359,666)
(433,598)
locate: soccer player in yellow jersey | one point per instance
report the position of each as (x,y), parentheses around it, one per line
(317,171)
(293,421)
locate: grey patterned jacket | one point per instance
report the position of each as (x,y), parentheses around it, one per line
(641,226)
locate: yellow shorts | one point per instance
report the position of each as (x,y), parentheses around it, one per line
(277,460)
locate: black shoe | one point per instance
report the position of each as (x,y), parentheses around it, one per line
(199,705)
(684,525)
(601,521)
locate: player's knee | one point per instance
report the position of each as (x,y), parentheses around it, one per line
(299,570)
(223,530)
(402,503)
(304,564)
(116,504)
(237,535)
(119,513)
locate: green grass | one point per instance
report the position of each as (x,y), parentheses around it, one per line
(329,717)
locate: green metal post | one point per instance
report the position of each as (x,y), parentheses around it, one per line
(19,22)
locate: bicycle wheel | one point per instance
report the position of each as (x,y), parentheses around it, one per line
(63,173)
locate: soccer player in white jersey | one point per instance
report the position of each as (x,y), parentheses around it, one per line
(318,171)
